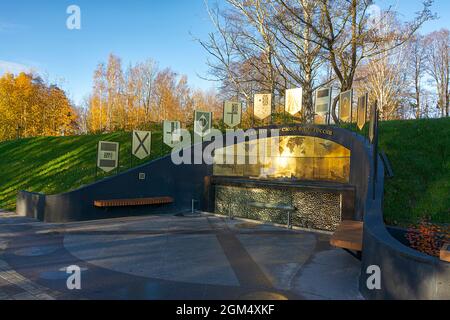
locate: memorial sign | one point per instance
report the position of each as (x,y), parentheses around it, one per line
(142,144)
(108,156)
(362,111)
(322,105)
(232,113)
(346,106)
(171,136)
(202,123)
(262,106)
(294,100)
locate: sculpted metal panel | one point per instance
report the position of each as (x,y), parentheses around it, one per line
(314,210)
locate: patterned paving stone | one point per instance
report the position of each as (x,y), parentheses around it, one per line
(15,286)
(166,257)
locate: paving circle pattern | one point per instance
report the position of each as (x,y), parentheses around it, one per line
(184,258)
(36,251)
(167,257)
(57,275)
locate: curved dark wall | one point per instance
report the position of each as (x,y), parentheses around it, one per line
(163,178)
(183,183)
(406,274)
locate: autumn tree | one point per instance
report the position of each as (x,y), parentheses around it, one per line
(139,96)
(30,107)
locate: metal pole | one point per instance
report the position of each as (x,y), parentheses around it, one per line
(253,115)
(118,160)
(162,142)
(96,163)
(375,155)
(131,151)
(285,97)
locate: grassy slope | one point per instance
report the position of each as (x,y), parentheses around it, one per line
(54,165)
(420,155)
(419,152)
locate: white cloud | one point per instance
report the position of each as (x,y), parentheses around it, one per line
(7,27)
(13,67)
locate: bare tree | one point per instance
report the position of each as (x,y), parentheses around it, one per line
(416,70)
(385,79)
(299,56)
(242,42)
(347,37)
(438,44)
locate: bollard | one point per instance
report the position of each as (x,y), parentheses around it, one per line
(289,225)
(193,205)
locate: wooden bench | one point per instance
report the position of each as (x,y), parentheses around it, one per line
(133,202)
(445,252)
(349,236)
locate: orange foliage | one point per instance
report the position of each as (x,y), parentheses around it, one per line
(428,238)
(29,107)
(143,95)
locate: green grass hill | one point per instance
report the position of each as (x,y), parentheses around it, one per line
(53,165)
(418,150)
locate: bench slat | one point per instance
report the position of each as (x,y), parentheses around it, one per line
(349,235)
(132,202)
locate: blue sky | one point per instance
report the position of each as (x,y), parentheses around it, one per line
(33,34)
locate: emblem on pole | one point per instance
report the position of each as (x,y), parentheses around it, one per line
(232,113)
(262,106)
(362,111)
(171,133)
(108,156)
(346,106)
(322,105)
(294,101)
(141,145)
(202,123)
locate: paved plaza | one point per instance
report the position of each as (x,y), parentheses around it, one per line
(171,257)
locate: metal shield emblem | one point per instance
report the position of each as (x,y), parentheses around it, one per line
(232,113)
(362,111)
(108,155)
(141,145)
(346,106)
(294,101)
(170,132)
(322,105)
(262,106)
(202,122)
(373,122)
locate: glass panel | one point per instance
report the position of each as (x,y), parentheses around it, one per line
(297,157)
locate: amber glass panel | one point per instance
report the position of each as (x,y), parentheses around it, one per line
(297,157)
